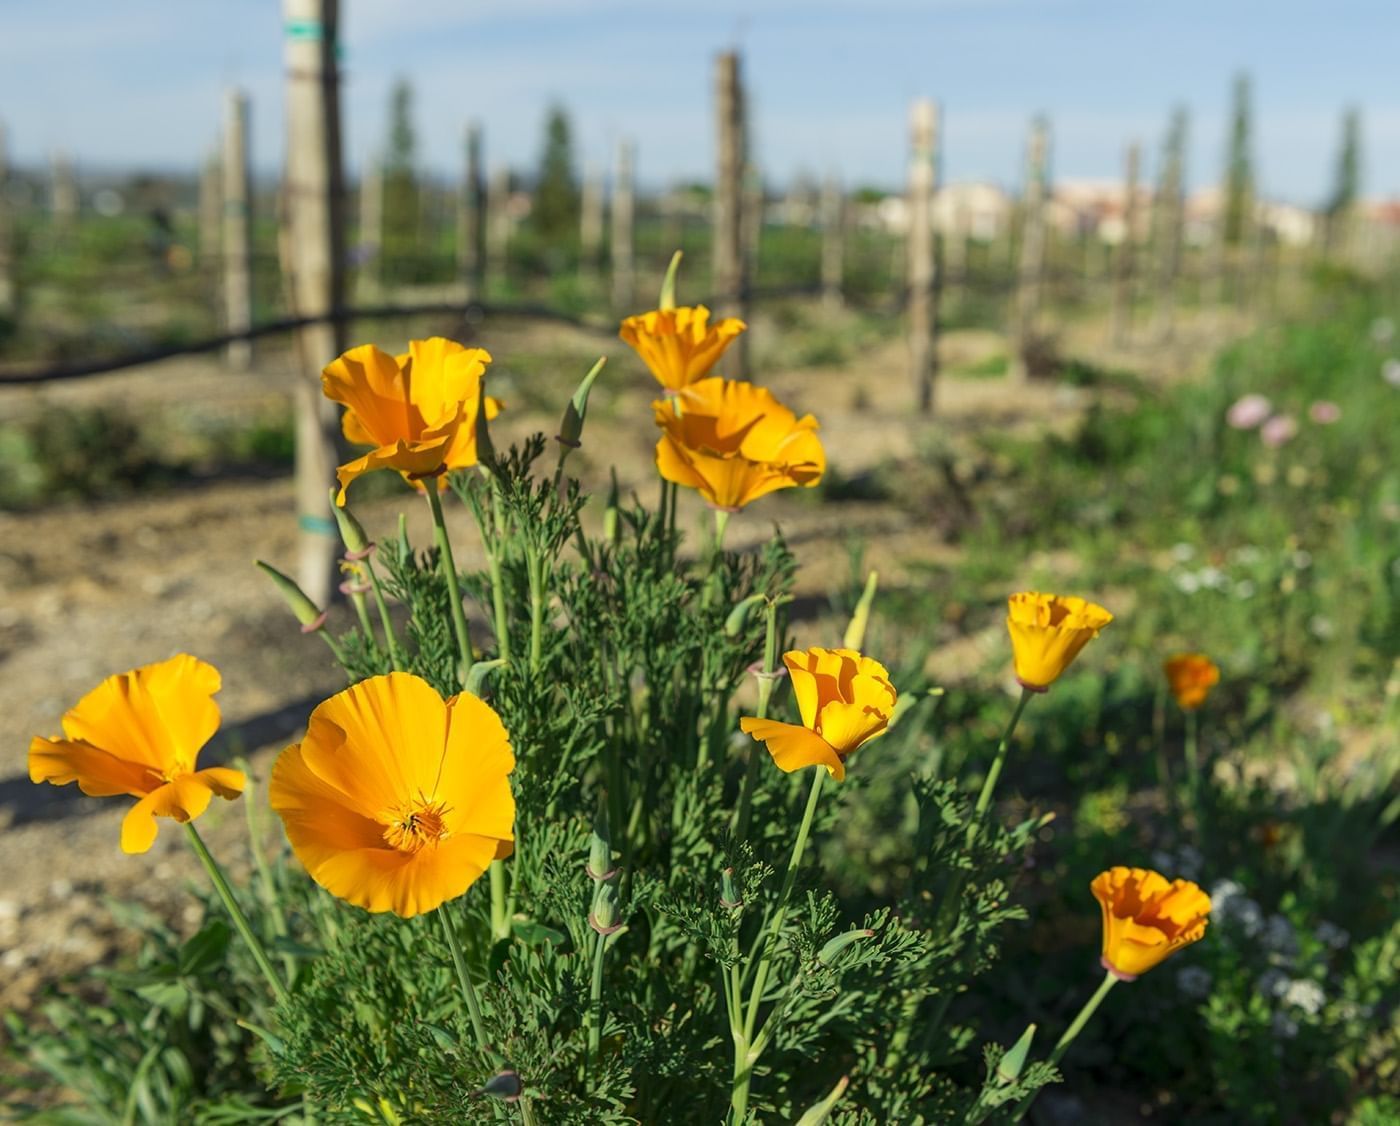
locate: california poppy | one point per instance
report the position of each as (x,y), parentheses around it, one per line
(139,733)
(418,410)
(679,344)
(1191,676)
(1146,918)
(1047,633)
(397,800)
(734,442)
(845,700)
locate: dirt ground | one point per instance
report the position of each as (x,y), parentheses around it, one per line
(86,591)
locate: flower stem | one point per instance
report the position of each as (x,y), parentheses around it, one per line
(721,523)
(595,1001)
(743,1062)
(765,693)
(1193,765)
(500,919)
(385,621)
(989,784)
(1075,1028)
(535,565)
(449,572)
(464,982)
(240,920)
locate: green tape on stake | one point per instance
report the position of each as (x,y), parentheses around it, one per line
(303,29)
(321,525)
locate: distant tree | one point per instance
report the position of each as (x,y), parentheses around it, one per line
(556,207)
(1239,175)
(401,191)
(1347,188)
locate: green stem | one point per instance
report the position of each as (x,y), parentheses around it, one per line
(493,563)
(535,565)
(464,982)
(332,644)
(595,1001)
(721,523)
(449,572)
(989,784)
(270,899)
(362,612)
(385,621)
(1109,981)
(1193,765)
(240,920)
(779,916)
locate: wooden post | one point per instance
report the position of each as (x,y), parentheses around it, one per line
(1167,218)
(63,198)
(624,281)
(497,227)
(731,297)
(7,251)
(238,231)
(1030,266)
(316,244)
(590,225)
(211,213)
(471,226)
(920,257)
(833,216)
(370,236)
(1122,315)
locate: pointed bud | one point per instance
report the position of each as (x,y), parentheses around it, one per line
(485,450)
(729,890)
(571,425)
(855,632)
(1009,1069)
(834,946)
(306,611)
(668,284)
(503,1085)
(610,513)
(600,865)
(476,675)
(351,533)
(604,916)
(739,616)
(819,1113)
(405,551)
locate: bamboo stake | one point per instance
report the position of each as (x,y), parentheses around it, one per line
(730,294)
(471,226)
(1124,263)
(921,258)
(316,239)
(624,281)
(1030,266)
(238,231)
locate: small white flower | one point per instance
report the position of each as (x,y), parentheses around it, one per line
(1272,983)
(1321,627)
(1284,1026)
(1382,330)
(1390,372)
(1306,995)
(1246,914)
(1247,555)
(1212,578)
(1279,936)
(1194,981)
(1183,552)
(1223,891)
(1187,583)
(1244,589)
(1302,560)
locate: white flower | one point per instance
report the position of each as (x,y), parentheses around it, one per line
(1279,936)
(1302,560)
(1183,552)
(1247,555)
(1212,577)
(1284,1026)
(1194,981)
(1390,372)
(1306,995)
(1187,583)
(1244,589)
(1272,983)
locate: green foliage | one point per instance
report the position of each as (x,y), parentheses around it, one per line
(555,213)
(403,200)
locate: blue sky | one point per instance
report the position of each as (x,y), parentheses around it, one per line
(139,82)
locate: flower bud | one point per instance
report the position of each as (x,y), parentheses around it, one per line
(1009,1069)
(739,616)
(603,918)
(571,426)
(855,632)
(729,890)
(485,450)
(306,611)
(600,866)
(610,513)
(834,946)
(820,1112)
(476,675)
(668,283)
(503,1085)
(351,533)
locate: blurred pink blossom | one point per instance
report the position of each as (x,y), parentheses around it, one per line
(1324,412)
(1249,412)
(1278,430)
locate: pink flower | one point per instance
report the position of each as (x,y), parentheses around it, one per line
(1278,430)
(1324,412)
(1249,412)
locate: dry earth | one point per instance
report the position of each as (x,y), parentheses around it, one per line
(89,590)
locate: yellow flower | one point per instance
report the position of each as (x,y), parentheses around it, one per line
(397,800)
(679,345)
(418,410)
(1191,676)
(1047,633)
(734,443)
(1146,919)
(845,701)
(139,733)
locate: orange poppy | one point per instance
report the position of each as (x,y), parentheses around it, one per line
(1047,633)
(679,344)
(1146,918)
(1191,676)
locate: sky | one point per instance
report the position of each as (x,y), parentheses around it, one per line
(139,83)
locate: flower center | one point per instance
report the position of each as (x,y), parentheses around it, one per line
(412,826)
